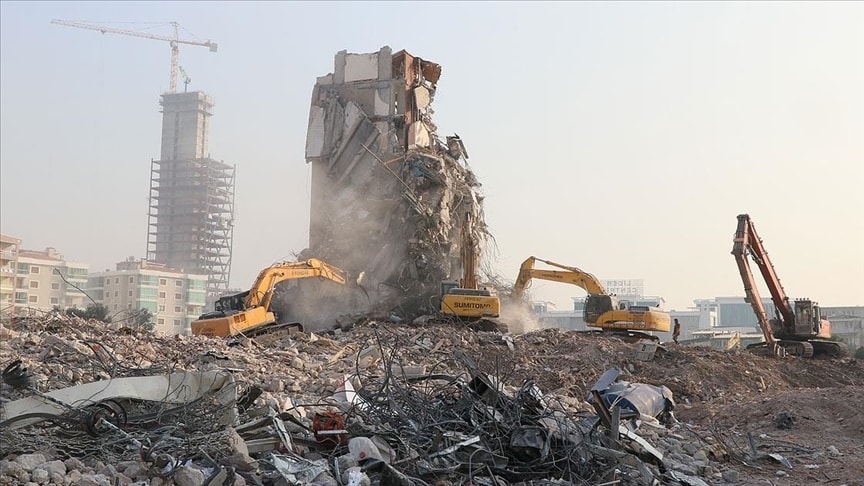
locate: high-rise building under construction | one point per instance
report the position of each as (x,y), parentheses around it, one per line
(191,211)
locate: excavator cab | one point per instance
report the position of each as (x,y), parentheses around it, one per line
(447,286)
(598,304)
(226,306)
(234,302)
(809,320)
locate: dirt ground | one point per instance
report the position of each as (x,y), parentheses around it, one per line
(725,395)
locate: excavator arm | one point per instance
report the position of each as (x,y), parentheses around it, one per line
(740,248)
(571,275)
(469,251)
(261,292)
(746,242)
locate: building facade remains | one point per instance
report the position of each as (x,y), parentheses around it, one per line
(388,194)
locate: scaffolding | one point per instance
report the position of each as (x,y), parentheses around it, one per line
(191,218)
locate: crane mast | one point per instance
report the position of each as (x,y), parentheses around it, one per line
(174,42)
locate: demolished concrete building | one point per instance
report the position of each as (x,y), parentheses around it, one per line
(388,195)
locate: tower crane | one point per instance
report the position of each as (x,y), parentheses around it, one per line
(174,42)
(186,78)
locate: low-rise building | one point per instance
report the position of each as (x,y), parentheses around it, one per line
(8,264)
(175,298)
(45,280)
(847,324)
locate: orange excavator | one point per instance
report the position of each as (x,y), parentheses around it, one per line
(799,328)
(249,312)
(602,310)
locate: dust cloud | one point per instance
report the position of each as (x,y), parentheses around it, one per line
(519,318)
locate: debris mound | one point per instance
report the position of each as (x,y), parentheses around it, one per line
(389,403)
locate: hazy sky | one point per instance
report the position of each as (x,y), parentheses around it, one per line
(623,138)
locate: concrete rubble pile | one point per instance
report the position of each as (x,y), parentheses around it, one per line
(383,404)
(388,195)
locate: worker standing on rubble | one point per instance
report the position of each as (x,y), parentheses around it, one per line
(676,331)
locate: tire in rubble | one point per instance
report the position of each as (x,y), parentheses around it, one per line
(107,411)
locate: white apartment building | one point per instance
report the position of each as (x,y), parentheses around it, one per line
(174,298)
(8,264)
(44,280)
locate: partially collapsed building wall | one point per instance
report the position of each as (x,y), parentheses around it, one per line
(388,195)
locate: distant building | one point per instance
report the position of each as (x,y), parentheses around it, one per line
(734,311)
(8,267)
(174,298)
(191,216)
(45,280)
(847,324)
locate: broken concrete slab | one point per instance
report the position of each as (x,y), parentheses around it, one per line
(182,387)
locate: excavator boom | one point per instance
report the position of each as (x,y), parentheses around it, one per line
(741,245)
(261,292)
(571,275)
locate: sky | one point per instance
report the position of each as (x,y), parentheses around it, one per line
(619,137)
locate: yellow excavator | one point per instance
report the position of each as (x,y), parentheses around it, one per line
(602,311)
(465,299)
(249,312)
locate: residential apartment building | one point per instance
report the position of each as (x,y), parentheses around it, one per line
(44,280)
(174,298)
(8,264)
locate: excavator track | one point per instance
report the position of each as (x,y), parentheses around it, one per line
(802,349)
(267,331)
(829,348)
(625,335)
(274,327)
